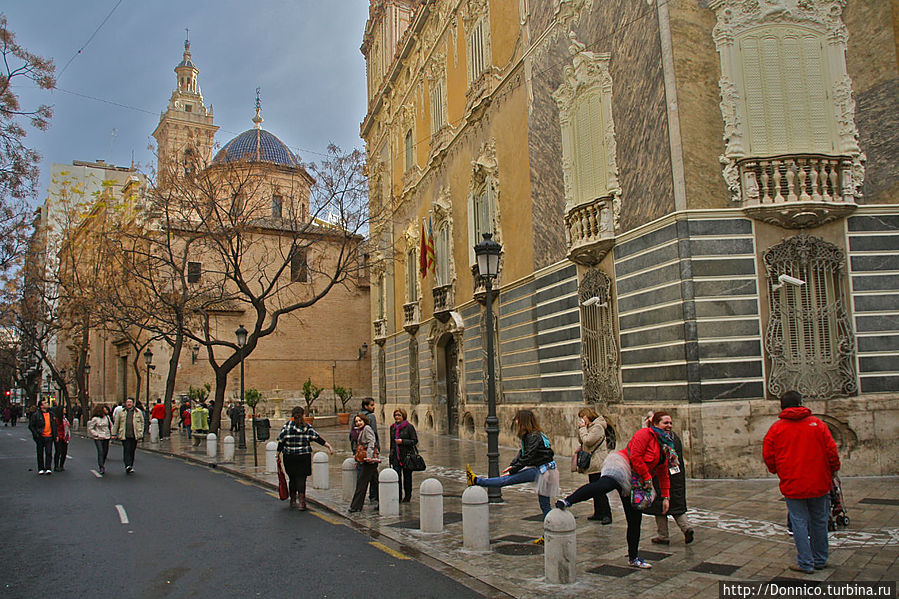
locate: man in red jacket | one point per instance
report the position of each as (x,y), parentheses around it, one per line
(158,412)
(800,450)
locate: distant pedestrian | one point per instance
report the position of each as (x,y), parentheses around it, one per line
(77,413)
(240,412)
(649,455)
(146,415)
(128,428)
(63,436)
(43,427)
(16,413)
(295,444)
(368,412)
(591,432)
(158,412)
(199,420)
(99,427)
(7,415)
(231,417)
(677,507)
(800,450)
(534,462)
(185,418)
(403,441)
(364,436)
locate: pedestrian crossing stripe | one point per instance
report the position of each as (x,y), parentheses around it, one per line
(388,550)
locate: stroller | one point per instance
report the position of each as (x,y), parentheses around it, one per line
(837,517)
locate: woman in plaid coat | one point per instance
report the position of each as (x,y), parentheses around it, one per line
(295,443)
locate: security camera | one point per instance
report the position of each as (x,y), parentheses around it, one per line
(790,280)
(590,302)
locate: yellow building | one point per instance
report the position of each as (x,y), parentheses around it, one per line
(697,206)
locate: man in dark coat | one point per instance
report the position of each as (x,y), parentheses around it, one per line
(677,508)
(43,427)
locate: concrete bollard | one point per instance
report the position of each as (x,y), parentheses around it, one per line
(348,474)
(228,449)
(389,492)
(271,457)
(211,445)
(154,430)
(75,424)
(431,505)
(320,474)
(475,519)
(560,547)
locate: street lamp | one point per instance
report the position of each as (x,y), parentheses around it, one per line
(87,380)
(148,358)
(194,352)
(241,334)
(487,252)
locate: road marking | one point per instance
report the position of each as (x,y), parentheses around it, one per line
(22,439)
(275,495)
(388,550)
(97,474)
(327,519)
(123,517)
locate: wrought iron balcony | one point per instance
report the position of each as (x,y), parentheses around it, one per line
(591,230)
(443,302)
(797,191)
(380,327)
(411,316)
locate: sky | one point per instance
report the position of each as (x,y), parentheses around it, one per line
(303,54)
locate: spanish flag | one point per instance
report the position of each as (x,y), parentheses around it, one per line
(432,257)
(423,253)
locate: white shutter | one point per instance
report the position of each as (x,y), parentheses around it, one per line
(589,160)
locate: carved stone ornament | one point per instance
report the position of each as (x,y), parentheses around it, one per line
(568,12)
(825,16)
(599,344)
(472,10)
(443,215)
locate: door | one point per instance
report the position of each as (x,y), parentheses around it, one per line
(451,353)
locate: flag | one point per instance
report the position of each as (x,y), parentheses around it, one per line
(432,257)
(423,253)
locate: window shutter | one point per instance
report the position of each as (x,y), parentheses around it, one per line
(443,250)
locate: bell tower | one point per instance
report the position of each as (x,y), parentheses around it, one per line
(185,132)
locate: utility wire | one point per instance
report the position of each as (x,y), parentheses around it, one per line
(80,50)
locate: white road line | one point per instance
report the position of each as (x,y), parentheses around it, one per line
(97,474)
(122,515)
(22,439)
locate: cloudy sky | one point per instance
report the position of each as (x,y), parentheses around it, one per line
(304,54)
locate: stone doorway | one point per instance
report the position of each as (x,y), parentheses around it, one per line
(448,380)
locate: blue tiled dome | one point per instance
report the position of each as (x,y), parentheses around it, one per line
(257,145)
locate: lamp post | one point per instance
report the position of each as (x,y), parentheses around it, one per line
(241,334)
(487,252)
(148,358)
(194,352)
(59,398)
(87,395)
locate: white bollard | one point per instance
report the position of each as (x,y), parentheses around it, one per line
(320,474)
(389,492)
(154,430)
(431,505)
(228,449)
(271,457)
(560,547)
(475,519)
(211,445)
(348,473)
(75,424)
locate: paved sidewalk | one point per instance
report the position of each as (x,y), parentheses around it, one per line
(740,528)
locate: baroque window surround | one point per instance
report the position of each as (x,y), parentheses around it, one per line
(484,177)
(444,283)
(800,190)
(809,338)
(412,305)
(599,352)
(591,223)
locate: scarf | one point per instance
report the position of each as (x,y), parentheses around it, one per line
(666,442)
(396,435)
(354,434)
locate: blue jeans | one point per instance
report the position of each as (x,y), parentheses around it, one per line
(809,520)
(527,475)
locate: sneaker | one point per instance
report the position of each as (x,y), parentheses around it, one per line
(638,562)
(470,476)
(606,520)
(48,472)
(129,469)
(537,541)
(688,536)
(41,472)
(659,541)
(563,504)
(102,470)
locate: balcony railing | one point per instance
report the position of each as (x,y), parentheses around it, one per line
(411,316)
(591,230)
(443,302)
(380,327)
(797,191)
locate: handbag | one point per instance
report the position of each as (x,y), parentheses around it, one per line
(583,459)
(283,491)
(415,462)
(361,453)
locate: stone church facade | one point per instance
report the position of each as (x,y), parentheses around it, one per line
(697,204)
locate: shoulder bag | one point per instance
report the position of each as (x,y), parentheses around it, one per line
(415,462)
(361,453)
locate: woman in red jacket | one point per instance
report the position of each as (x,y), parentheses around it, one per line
(649,455)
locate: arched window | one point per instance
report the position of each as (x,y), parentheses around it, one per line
(809,339)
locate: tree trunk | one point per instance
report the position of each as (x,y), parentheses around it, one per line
(221,383)
(172,374)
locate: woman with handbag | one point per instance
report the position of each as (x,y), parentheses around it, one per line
(295,443)
(403,442)
(678,507)
(649,455)
(591,432)
(99,428)
(367,455)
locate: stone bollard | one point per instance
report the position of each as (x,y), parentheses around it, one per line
(271,457)
(154,430)
(475,519)
(211,445)
(228,449)
(388,493)
(75,424)
(431,505)
(348,473)
(320,474)
(560,547)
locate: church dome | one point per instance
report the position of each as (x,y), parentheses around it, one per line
(257,145)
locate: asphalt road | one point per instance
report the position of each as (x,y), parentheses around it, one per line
(173,529)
